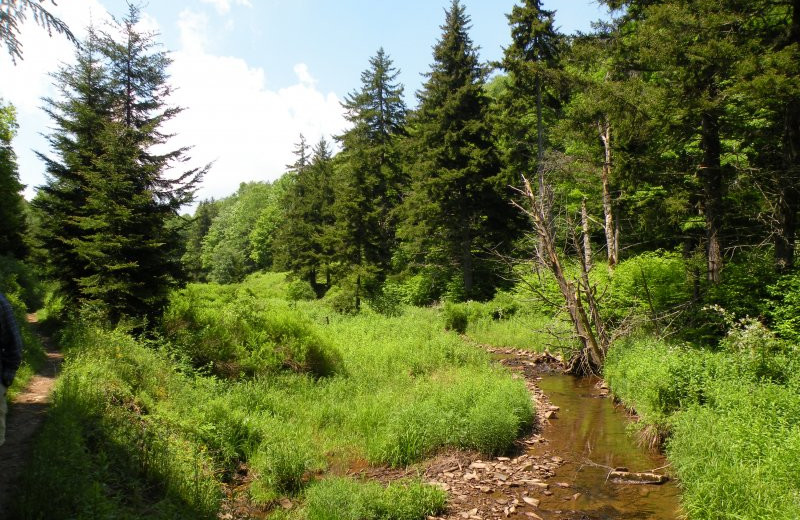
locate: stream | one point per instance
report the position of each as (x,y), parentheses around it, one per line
(590,433)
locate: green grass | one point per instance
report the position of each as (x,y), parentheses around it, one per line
(732,419)
(147,431)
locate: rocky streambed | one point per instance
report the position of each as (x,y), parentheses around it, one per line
(564,468)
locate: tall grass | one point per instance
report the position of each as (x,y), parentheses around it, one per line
(732,419)
(168,436)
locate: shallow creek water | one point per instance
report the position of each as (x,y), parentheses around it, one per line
(590,433)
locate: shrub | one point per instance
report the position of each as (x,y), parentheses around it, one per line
(245,335)
(783,306)
(300,290)
(456,317)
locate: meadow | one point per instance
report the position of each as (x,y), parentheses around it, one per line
(246,380)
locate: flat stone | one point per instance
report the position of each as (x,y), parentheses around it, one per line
(531,501)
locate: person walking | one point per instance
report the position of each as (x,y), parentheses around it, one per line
(10,357)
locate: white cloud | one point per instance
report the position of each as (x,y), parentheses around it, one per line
(224,6)
(233,119)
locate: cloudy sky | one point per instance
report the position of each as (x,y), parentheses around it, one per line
(254,74)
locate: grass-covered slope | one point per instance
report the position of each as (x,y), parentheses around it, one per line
(732,419)
(153,427)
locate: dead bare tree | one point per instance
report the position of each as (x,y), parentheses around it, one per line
(578,293)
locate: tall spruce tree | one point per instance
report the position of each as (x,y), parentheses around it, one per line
(80,114)
(12,214)
(109,187)
(370,177)
(454,211)
(305,238)
(532,61)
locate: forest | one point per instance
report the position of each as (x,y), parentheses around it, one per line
(619,205)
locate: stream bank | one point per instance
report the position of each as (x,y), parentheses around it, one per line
(561,469)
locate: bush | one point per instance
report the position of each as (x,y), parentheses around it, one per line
(783,306)
(300,290)
(456,317)
(244,335)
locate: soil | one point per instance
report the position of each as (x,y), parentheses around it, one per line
(25,415)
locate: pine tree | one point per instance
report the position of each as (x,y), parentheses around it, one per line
(12,214)
(454,210)
(107,200)
(532,63)
(370,178)
(80,116)
(305,239)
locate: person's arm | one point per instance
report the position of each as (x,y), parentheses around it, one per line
(11,342)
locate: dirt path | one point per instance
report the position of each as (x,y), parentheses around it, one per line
(25,416)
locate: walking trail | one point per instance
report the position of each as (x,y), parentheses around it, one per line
(26,414)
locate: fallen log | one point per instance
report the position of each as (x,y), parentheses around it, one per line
(622,476)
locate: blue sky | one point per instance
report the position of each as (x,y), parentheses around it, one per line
(254,73)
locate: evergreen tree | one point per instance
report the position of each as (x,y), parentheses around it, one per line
(12,205)
(454,210)
(370,178)
(532,61)
(108,199)
(306,237)
(80,115)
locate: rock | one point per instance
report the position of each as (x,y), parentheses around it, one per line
(503,459)
(501,476)
(576,496)
(286,503)
(563,485)
(549,414)
(557,460)
(548,493)
(470,476)
(533,515)
(477,465)
(531,501)
(485,489)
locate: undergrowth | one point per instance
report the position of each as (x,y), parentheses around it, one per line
(146,427)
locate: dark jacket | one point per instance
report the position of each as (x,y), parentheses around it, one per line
(10,343)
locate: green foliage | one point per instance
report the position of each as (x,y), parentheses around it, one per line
(346,499)
(241,335)
(456,317)
(784,306)
(649,284)
(300,290)
(104,449)
(12,214)
(731,417)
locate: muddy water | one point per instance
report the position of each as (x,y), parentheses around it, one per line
(590,434)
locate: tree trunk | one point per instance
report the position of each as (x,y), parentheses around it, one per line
(788,185)
(466,264)
(612,238)
(711,178)
(587,243)
(592,355)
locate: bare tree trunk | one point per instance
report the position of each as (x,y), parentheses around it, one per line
(612,232)
(711,177)
(788,184)
(587,243)
(593,352)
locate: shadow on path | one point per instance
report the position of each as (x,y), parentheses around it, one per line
(25,415)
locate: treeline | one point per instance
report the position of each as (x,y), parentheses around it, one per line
(676,126)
